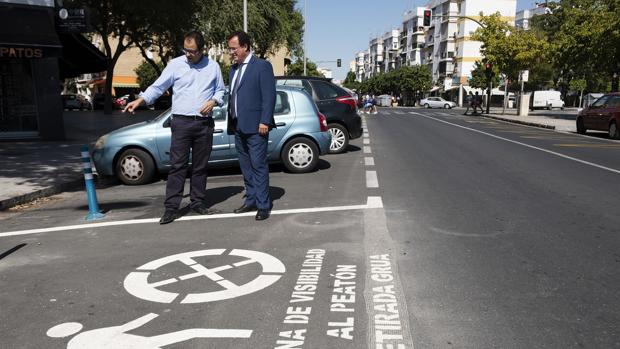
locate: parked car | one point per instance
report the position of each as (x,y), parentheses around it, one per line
(73,102)
(546,100)
(437,102)
(602,115)
(338,106)
(136,153)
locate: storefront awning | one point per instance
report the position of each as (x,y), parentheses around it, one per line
(28,32)
(79,56)
(125,81)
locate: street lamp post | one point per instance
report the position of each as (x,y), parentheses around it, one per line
(245,16)
(305,34)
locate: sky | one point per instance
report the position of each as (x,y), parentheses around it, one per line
(339,29)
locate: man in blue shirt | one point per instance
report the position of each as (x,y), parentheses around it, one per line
(198,87)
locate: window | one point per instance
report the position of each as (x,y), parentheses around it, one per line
(613,102)
(297,83)
(282,105)
(600,102)
(325,90)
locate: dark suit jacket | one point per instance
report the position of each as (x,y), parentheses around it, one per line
(256,97)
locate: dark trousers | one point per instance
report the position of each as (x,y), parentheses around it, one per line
(197,135)
(252,150)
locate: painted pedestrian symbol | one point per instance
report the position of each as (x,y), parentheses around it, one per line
(116,337)
(137,283)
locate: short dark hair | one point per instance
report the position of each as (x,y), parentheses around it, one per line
(243,37)
(197,37)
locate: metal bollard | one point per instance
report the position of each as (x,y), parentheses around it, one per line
(91,194)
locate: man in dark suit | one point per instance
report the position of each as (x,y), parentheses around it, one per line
(250,108)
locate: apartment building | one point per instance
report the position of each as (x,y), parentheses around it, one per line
(445,46)
(523,17)
(391,50)
(412,40)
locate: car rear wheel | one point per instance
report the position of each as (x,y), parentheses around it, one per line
(135,167)
(427,106)
(340,138)
(300,155)
(581,128)
(614,133)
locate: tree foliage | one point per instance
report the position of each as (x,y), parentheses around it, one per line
(585,41)
(350,82)
(147,74)
(297,68)
(509,49)
(404,80)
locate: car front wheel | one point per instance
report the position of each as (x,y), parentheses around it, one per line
(340,138)
(581,128)
(614,133)
(135,167)
(300,155)
(447,106)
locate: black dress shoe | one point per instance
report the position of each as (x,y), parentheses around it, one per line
(261,215)
(202,209)
(244,209)
(168,217)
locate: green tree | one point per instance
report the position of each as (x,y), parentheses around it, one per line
(147,74)
(578,85)
(297,68)
(510,50)
(479,79)
(272,24)
(350,82)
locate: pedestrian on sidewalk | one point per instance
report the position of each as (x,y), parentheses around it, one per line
(469,100)
(477,104)
(198,87)
(252,99)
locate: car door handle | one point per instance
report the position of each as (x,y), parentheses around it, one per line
(218,130)
(279,124)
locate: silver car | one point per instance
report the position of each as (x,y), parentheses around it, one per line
(137,152)
(437,102)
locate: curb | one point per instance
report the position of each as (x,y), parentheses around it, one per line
(41,193)
(521,122)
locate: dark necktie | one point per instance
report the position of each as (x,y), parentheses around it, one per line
(233,94)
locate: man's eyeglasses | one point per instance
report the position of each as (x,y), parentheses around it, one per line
(233,49)
(190,52)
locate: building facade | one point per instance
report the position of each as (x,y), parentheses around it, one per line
(36,54)
(445,46)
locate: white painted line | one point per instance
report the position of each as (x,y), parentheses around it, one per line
(369,161)
(367,149)
(366,141)
(412,112)
(529,146)
(372,202)
(366,134)
(371,179)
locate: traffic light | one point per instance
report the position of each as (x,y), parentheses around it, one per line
(338,62)
(428,14)
(488,70)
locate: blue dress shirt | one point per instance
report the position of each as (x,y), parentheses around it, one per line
(193,84)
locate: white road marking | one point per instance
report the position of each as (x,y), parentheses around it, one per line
(528,146)
(369,161)
(371,179)
(366,141)
(137,284)
(415,113)
(367,149)
(366,134)
(372,202)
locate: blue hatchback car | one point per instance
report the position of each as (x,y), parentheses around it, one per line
(136,153)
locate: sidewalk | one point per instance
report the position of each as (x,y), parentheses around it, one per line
(556,120)
(33,169)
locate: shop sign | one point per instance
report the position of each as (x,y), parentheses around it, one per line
(20,52)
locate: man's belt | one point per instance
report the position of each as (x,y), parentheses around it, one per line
(194,117)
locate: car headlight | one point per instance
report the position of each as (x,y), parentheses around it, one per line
(101,142)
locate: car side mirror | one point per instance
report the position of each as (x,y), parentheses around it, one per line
(166,123)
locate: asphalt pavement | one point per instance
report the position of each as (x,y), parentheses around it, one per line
(434,230)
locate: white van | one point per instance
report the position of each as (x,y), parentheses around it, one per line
(546,99)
